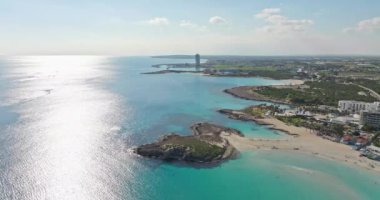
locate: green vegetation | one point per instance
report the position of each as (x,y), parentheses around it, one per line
(318,93)
(282,93)
(376,143)
(368,128)
(293,120)
(336,130)
(260,110)
(263,71)
(376,140)
(255,112)
(371,84)
(244,67)
(361,74)
(199,148)
(304,67)
(280,74)
(322,110)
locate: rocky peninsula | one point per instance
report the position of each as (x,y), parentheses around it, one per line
(208,144)
(249,93)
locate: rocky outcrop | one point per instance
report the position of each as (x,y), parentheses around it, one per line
(212,129)
(206,145)
(238,115)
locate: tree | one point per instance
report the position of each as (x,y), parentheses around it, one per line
(368,128)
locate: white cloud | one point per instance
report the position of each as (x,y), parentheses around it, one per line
(159,21)
(190,25)
(217,20)
(268,12)
(369,25)
(280,24)
(187,24)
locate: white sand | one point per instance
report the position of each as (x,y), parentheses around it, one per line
(306,142)
(293,82)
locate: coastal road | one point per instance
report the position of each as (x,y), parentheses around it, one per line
(373,93)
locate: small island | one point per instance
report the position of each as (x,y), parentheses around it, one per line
(207,145)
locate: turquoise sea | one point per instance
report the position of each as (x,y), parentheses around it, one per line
(67,124)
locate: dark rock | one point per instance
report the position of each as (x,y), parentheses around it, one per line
(206,145)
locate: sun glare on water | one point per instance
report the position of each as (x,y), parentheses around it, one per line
(66,118)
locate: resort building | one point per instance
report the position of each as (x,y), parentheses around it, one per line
(371,118)
(197,60)
(357,106)
(350,119)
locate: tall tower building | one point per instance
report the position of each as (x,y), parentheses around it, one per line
(197,60)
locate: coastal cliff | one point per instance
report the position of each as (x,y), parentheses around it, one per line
(206,145)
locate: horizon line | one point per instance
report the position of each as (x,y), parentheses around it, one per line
(210,55)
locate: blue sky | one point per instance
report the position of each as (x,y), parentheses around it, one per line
(147,27)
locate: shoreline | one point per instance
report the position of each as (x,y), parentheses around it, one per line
(205,146)
(293,82)
(245,92)
(172,71)
(300,140)
(248,92)
(287,82)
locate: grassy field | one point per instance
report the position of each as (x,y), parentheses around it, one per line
(372,84)
(318,93)
(244,67)
(260,110)
(262,71)
(328,129)
(294,120)
(359,74)
(199,148)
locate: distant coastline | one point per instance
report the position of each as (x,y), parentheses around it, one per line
(248,92)
(172,71)
(300,140)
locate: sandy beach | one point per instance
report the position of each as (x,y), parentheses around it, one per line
(304,141)
(293,82)
(249,92)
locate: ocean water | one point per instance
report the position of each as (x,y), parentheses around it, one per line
(67,124)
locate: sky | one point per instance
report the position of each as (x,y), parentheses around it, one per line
(213,27)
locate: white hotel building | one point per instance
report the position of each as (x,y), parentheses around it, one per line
(358,106)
